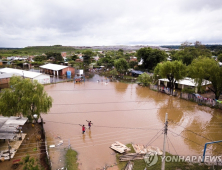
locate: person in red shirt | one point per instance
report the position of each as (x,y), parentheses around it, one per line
(83,129)
(89,123)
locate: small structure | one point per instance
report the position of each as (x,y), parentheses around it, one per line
(186,82)
(56,70)
(10,129)
(5,78)
(41,78)
(136,72)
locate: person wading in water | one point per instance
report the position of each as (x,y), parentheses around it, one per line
(83,128)
(89,123)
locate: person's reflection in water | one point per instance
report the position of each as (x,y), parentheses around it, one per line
(90,137)
(83,138)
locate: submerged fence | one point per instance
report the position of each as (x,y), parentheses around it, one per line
(164,90)
(200,100)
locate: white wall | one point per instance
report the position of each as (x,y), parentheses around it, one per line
(43,79)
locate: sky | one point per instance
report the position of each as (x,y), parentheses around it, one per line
(109,22)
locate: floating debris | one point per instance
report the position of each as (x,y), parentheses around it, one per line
(119,147)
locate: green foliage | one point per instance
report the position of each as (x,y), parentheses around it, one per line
(173,71)
(114,72)
(106,61)
(219,57)
(215,78)
(29,163)
(56,56)
(151,57)
(188,90)
(24,97)
(145,79)
(71,160)
(200,70)
(188,52)
(87,56)
(74,57)
(121,65)
(40,58)
(132,64)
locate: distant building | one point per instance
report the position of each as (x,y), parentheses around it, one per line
(63,54)
(41,78)
(56,70)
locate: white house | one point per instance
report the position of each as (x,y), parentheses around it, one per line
(41,78)
(186,82)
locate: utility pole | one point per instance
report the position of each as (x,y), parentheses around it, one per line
(9,154)
(164,142)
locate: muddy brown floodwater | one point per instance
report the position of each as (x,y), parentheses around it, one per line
(126,113)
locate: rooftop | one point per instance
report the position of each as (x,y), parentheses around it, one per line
(54,67)
(28,74)
(188,82)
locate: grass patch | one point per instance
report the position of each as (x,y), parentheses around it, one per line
(71,160)
(141,164)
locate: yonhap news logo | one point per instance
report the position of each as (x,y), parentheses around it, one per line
(152,158)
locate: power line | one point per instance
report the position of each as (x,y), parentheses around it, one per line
(193,132)
(118,127)
(172,144)
(192,141)
(108,102)
(121,110)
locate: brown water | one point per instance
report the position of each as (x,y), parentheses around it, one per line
(126,113)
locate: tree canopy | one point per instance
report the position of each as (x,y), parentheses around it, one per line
(151,57)
(121,65)
(24,97)
(87,56)
(173,71)
(199,70)
(144,79)
(56,56)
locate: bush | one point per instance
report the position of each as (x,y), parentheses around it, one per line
(188,90)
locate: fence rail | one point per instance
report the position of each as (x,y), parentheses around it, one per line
(164,90)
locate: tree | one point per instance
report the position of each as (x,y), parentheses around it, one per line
(56,56)
(87,56)
(74,57)
(132,64)
(216,79)
(121,65)
(40,58)
(190,52)
(219,57)
(145,79)
(24,97)
(151,57)
(199,70)
(173,71)
(107,61)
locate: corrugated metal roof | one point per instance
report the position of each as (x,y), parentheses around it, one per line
(27,74)
(54,67)
(188,82)
(9,124)
(8,75)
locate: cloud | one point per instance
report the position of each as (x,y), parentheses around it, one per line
(98,22)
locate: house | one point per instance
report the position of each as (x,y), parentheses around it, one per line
(5,78)
(185,83)
(41,78)
(63,54)
(133,59)
(56,70)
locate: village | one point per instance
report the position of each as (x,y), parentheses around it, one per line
(20,134)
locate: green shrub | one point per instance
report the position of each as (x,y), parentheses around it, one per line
(188,90)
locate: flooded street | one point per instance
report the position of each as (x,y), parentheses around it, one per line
(127,113)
